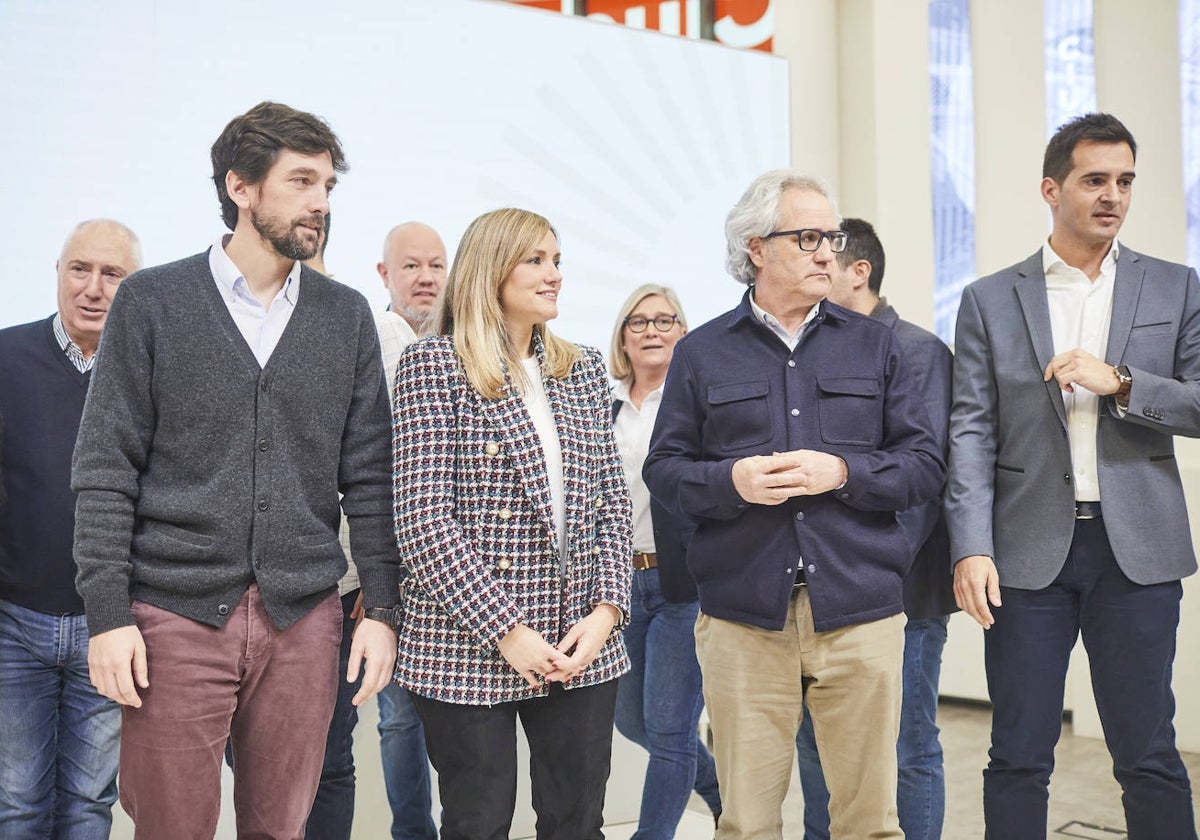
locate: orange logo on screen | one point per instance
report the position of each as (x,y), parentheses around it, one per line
(747,24)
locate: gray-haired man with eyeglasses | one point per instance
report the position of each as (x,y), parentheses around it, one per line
(791,431)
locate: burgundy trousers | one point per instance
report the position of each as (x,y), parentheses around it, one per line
(272,692)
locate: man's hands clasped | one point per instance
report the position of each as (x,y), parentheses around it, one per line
(773,479)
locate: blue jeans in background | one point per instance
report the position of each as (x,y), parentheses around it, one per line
(333,810)
(405,766)
(59,740)
(658,708)
(921,795)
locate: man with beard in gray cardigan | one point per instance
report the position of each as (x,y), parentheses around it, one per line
(239,393)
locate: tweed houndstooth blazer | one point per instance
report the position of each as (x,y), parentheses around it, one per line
(474,525)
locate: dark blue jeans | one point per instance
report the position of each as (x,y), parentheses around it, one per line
(333,810)
(1129,632)
(921,794)
(658,708)
(405,766)
(59,739)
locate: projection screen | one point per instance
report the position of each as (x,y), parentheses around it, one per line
(633,144)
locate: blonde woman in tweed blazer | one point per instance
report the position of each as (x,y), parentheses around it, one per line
(513,516)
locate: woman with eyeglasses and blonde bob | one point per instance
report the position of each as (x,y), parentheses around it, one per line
(514,519)
(658,702)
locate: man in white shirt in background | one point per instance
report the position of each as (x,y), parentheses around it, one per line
(413,271)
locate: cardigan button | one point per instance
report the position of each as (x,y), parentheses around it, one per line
(505,513)
(263,504)
(492,449)
(503,564)
(595,551)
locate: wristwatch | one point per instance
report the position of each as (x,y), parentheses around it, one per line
(1124,384)
(391,616)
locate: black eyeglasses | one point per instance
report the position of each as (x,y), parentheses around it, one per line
(662,323)
(809,239)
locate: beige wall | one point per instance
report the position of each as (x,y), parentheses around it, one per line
(860,119)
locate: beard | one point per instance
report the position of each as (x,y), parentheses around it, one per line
(284,238)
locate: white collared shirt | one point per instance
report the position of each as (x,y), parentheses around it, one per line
(395,335)
(790,339)
(261,326)
(1080,314)
(632,430)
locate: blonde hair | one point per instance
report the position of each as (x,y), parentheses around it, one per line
(468,308)
(618,359)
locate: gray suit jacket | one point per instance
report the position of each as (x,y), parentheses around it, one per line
(1010,494)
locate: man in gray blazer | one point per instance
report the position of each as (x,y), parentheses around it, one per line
(1073,371)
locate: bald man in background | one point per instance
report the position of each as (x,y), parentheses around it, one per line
(59,738)
(413,271)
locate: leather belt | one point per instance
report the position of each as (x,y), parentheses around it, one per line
(643,560)
(1087,510)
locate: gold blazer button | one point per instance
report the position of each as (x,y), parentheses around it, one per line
(492,449)
(505,513)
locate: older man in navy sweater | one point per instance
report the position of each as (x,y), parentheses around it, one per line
(791,431)
(58,736)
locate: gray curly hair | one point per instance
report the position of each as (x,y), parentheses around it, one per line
(757,214)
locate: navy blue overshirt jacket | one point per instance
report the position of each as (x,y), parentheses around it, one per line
(735,390)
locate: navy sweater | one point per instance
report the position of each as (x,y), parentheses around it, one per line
(41,400)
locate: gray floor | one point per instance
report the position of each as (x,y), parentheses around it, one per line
(1084,800)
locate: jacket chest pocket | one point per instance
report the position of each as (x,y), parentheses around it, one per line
(850,410)
(738,415)
(1151,347)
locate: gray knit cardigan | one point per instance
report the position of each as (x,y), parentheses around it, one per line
(199,473)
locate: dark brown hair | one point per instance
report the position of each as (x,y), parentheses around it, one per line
(250,144)
(1089,128)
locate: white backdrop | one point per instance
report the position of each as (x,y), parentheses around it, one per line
(633,144)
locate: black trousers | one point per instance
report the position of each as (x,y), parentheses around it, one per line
(474,750)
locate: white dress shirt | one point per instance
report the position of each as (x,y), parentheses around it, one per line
(1080,313)
(632,430)
(261,326)
(773,323)
(394,335)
